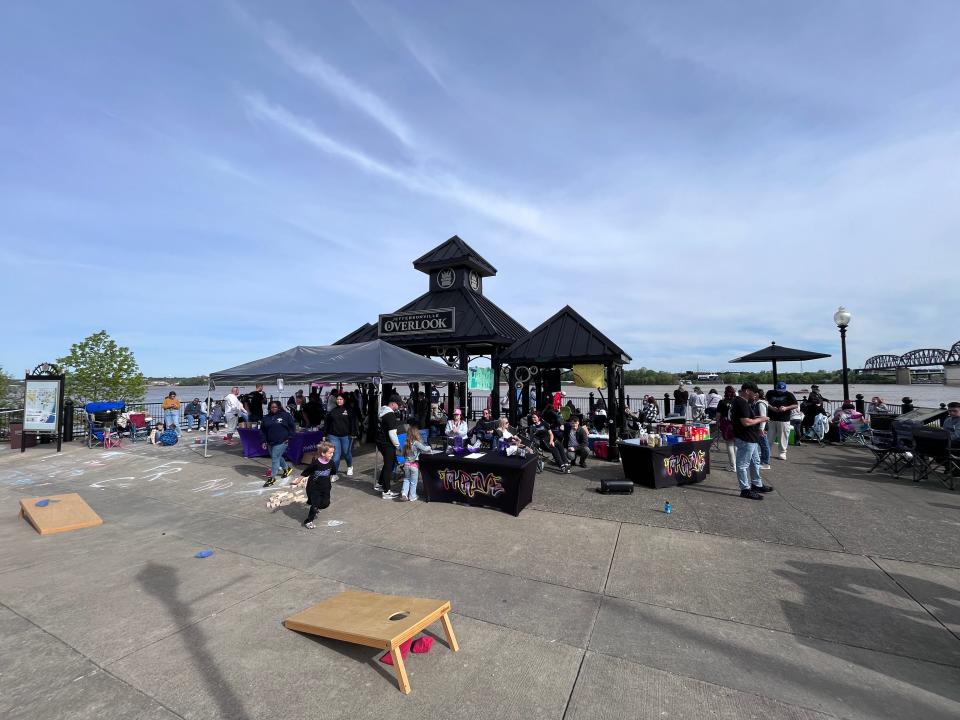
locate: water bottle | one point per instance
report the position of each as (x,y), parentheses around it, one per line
(667,508)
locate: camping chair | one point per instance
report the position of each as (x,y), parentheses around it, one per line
(138,426)
(818,430)
(934,455)
(888,453)
(101,423)
(854,432)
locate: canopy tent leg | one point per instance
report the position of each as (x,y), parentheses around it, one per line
(613,412)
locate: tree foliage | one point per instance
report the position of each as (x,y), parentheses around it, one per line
(99,369)
(7,391)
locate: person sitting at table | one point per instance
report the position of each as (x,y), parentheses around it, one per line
(503,431)
(484,428)
(576,443)
(551,417)
(438,419)
(952,422)
(195,410)
(877,407)
(456,425)
(650,412)
(216,416)
(276,430)
(543,437)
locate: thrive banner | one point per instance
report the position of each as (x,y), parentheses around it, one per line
(480,378)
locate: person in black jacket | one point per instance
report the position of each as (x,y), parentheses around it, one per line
(388,444)
(576,443)
(318,474)
(341,426)
(276,430)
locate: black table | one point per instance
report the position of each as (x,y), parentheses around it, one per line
(505,483)
(666,465)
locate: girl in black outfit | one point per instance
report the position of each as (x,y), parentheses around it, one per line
(318,483)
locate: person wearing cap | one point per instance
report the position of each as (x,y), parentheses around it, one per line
(389,446)
(952,422)
(746,439)
(194,409)
(456,425)
(781,403)
(815,397)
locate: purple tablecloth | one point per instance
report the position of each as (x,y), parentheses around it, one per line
(300,443)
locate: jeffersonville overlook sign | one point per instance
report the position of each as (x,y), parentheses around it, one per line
(421,322)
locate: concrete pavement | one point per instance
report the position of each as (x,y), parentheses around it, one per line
(836,596)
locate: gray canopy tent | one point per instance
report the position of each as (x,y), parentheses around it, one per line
(375,362)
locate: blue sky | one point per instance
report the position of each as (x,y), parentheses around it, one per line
(211,182)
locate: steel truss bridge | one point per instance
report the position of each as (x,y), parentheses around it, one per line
(922,358)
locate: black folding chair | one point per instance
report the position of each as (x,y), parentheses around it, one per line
(935,456)
(889,451)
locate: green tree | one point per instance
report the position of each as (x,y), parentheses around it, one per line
(99,369)
(6,391)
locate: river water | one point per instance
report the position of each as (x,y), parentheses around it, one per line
(922,395)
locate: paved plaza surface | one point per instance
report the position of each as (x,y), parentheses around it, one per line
(838,595)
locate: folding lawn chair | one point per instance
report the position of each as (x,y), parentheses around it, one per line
(935,456)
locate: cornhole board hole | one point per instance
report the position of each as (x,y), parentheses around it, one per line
(62,513)
(374,620)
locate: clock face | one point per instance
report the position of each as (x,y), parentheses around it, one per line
(474,281)
(445,278)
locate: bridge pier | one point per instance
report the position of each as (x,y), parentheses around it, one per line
(904,376)
(951,375)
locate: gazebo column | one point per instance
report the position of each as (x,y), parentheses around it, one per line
(512,405)
(539,403)
(464,365)
(495,390)
(424,408)
(525,400)
(613,412)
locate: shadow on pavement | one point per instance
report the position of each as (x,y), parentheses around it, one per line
(161,581)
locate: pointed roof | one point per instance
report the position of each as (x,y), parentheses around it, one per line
(562,341)
(779,353)
(478,320)
(457,253)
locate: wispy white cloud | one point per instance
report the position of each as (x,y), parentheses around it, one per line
(438,183)
(317,69)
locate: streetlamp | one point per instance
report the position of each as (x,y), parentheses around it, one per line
(842,318)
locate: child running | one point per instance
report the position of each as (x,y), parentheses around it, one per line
(318,482)
(412,447)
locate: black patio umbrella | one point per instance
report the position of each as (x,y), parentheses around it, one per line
(778,353)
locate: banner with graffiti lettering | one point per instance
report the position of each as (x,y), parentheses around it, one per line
(505,483)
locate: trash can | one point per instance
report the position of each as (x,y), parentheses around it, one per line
(18,439)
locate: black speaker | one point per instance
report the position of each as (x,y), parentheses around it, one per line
(623,487)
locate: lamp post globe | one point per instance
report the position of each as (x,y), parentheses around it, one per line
(842,318)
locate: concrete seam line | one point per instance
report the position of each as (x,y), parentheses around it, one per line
(93,662)
(806,514)
(573,686)
(910,595)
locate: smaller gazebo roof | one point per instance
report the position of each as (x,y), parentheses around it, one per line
(564,340)
(454,252)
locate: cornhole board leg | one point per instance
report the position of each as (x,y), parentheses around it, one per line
(448,631)
(401,669)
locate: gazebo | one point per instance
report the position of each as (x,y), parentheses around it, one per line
(559,343)
(453,320)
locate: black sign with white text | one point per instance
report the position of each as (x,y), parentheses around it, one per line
(420,322)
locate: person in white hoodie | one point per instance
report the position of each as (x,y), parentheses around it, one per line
(698,405)
(233,411)
(389,445)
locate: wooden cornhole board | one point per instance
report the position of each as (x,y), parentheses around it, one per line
(63,513)
(363,618)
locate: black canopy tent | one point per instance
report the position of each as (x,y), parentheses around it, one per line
(374,362)
(562,341)
(778,353)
